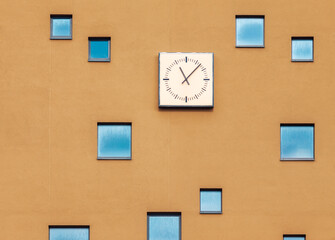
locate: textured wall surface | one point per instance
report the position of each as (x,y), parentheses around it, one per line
(51,99)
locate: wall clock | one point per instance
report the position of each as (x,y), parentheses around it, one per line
(186,79)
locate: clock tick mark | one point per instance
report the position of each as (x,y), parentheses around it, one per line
(185,59)
(185,98)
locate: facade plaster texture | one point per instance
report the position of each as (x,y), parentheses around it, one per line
(51,99)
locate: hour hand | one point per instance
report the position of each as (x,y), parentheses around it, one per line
(184,76)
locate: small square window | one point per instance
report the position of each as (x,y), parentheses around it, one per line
(69,233)
(164,226)
(302,49)
(250,31)
(60,26)
(294,237)
(114,141)
(297,142)
(210,200)
(99,49)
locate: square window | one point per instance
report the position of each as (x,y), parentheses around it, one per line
(302,49)
(69,233)
(210,200)
(99,49)
(250,31)
(164,226)
(294,237)
(297,141)
(114,141)
(60,26)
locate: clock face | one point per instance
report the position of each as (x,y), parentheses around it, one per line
(186,80)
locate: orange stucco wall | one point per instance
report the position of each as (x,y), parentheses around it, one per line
(51,99)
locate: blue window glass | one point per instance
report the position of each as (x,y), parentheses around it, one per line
(99,49)
(61,27)
(294,237)
(165,226)
(297,142)
(250,31)
(302,49)
(210,201)
(114,141)
(68,233)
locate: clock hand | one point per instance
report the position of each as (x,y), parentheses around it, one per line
(184,76)
(191,73)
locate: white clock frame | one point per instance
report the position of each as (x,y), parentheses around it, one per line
(203,90)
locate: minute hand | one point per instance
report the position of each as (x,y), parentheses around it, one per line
(191,73)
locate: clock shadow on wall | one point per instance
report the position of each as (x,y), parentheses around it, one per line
(186,81)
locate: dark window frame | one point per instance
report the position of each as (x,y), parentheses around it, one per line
(302,38)
(108,39)
(294,235)
(210,190)
(164,214)
(298,159)
(250,46)
(131,140)
(60,16)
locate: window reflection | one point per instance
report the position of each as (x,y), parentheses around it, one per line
(164,227)
(68,233)
(297,142)
(250,31)
(302,49)
(210,200)
(114,141)
(99,49)
(61,26)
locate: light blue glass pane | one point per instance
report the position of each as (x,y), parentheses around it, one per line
(210,201)
(61,27)
(302,49)
(69,233)
(294,238)
(114,141)
(164,228)
(297,142)
(99,49)
(249,31)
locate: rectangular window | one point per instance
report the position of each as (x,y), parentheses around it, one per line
(210,200)
(114,140)
(297,141)
(294,237)
(164,226)
(99,49)
(250,31)
(69,233)
(60,26)
(302,49)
